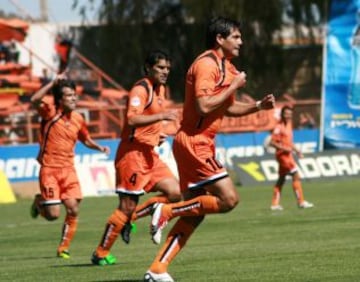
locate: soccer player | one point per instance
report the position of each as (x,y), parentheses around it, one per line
(211,84)
(282,141)
(138,167)
(61,127)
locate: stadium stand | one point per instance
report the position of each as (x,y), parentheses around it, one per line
(101,99)
(101,106)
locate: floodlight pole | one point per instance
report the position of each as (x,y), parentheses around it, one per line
(44,10)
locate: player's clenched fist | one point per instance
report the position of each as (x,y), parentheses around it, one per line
(268,102)
(239,80)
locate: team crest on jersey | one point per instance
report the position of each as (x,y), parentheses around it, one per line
(135,101)
(276,130)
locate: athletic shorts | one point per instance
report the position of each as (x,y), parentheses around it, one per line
(287,164)
(58,184)
(138,169)
(195,158)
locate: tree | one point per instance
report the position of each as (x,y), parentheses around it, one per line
(132,27)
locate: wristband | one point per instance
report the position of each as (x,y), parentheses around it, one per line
(258,105)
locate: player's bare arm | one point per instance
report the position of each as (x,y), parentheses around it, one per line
(207,104)
(279,146)
(142,120)
(36,98)
(241,109)
(297,151)
(90,143)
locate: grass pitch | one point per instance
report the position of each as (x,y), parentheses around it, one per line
(249,244)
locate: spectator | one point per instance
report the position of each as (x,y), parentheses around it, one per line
(63,48)
(13,52)
(3,52)
(306,120)
(45,78)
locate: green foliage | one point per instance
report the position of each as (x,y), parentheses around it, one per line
(133,27)
(251,243)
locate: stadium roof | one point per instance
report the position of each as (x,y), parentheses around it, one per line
(13,29)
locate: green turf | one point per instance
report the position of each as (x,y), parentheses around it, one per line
(249,244)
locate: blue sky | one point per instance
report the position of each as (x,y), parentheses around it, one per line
(59,11)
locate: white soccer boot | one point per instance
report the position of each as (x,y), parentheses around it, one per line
(157,277)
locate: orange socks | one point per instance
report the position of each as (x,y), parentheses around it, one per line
(145,208)
(68,232)
(298,191)
(175,241)
(112,229)
(296,184)
(276,196)
(200,205)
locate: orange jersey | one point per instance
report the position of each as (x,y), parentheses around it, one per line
(58,135)
(209,75)
(145,98)
(283,134)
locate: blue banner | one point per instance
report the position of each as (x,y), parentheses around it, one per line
(341,97)
(19,162)
(20,165)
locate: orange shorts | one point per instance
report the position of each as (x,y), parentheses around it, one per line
(138,169)
(195,157)
(287,164)
(59,183)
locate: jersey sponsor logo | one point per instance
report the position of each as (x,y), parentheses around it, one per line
(135,101)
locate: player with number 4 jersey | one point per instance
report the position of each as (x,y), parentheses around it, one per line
(138,167)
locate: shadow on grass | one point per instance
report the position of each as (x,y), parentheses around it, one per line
(39,257)
(96,266)
(80,265)
(117,280)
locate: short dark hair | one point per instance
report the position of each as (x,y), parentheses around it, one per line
(222,26)
(153,58)
(57,89)
(283,109)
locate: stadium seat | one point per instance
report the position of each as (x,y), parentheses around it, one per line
(113,93)
(8,100)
